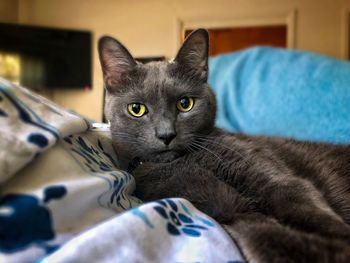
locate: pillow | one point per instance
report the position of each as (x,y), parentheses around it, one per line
(284,93)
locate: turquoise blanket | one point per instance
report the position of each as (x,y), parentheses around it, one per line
(278,92)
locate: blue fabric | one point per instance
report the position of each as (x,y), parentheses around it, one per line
(278,92)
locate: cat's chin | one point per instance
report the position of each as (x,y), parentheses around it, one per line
(162,157)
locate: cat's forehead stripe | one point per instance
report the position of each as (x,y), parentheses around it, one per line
(157,82)
(157,73)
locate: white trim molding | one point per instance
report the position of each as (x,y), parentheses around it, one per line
(289,19)
(345,27)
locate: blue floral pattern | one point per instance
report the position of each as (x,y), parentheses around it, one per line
(179,222)
(99,162)
(26,220)
(179,219)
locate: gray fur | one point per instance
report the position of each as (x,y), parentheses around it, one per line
(281,200)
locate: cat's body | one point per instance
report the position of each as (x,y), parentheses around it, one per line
(301,185)
(281,200)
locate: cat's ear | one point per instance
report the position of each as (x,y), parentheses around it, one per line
(193,55)
(116,61)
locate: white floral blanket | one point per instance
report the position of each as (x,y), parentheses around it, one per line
(63,198)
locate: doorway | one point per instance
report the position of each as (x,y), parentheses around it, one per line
(224,40)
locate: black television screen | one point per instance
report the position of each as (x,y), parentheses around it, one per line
(39,57)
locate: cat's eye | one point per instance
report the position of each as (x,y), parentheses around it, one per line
(185,104)
(137,109)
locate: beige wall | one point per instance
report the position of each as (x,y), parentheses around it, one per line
(9,11)
(150,27)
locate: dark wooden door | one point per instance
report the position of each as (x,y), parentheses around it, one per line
(224,40)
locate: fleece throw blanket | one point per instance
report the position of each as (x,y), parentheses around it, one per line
(286,93)
(64,199)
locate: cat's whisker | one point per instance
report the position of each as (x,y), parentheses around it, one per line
(235,178)
(189,149)
(206,149)
(205,139)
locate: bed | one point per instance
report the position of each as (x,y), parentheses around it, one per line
(63,197)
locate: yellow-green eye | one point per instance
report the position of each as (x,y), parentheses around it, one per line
(137,109)
(185,104)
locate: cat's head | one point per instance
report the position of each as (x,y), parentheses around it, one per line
(157,109)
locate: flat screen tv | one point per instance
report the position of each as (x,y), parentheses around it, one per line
(46,58)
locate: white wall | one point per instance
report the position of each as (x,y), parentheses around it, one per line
(149,27)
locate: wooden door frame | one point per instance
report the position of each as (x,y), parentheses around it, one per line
(345,27)
(289,19)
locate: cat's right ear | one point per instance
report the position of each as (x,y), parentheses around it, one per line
(193,54)
(116,61)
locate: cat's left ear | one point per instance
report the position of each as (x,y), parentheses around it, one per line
(193,54)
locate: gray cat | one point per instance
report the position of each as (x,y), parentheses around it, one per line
(280,200)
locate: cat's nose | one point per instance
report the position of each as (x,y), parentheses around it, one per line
(166,137)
